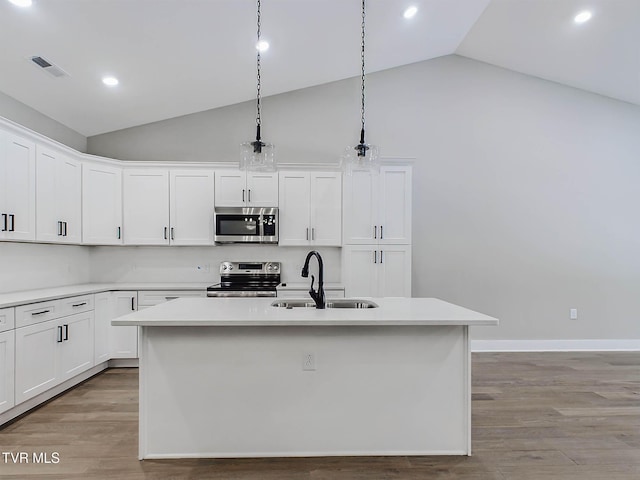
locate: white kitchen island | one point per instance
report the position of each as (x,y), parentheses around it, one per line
(232,377)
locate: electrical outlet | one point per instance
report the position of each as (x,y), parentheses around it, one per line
(573,314)
(204,268)
(308,361)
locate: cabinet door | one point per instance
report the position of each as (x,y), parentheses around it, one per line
(102,316)
(326,209)
(230,189)
(101,204)
(394,275)
(76,350)
(7,344)
(360,209)
(394,205)
(123,339)
(295,199)
(49,224)
(36,359)
(18,185)
(191,212)
(69,199)
(262,189)
(146,206)
(360,270)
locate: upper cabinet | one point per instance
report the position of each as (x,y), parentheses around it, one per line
(17,188)
(377,208)
(58,197)
(235,188)
(101,204)
(310,208)
(165,207)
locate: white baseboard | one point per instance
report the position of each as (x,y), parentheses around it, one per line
(554,345)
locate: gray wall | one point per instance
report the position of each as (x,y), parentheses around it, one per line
(525,191)
(28,117)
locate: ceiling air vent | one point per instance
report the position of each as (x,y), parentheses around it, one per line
(49,67)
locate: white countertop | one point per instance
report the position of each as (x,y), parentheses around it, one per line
(31,296)
(252,312)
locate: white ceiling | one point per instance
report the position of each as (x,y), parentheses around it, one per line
(175,57)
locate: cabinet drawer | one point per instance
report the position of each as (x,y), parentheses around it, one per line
(149,298)
(37,312)
(7,319)
(79,304)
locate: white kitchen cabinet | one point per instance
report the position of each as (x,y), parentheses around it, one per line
(310,208)
(48,353)
(123,340)
(58,197)
(101,204)
(377,207)
(376,270)
(168,208)
(7,319)
(17,188)
(7,348)
(191,211)
(146,206)
(235,188)
(103,314)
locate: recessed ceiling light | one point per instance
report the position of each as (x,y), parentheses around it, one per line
(22,3)
(582,17)
(410,12)
(262,46)
(110,81)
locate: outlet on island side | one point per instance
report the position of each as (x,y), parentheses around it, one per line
(573,314)
(308,361)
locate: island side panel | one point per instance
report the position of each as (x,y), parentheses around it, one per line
(242,391)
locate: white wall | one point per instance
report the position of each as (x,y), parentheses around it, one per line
(27,266)
(525,191)
(180,264)
(28,117)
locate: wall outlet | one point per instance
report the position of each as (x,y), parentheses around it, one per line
(204,268)
(308,361)
(573,314)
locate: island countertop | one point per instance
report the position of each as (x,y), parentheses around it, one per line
(258,312)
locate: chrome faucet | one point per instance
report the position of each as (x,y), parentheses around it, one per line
(318,296)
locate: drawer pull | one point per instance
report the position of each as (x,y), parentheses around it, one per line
(40,313)
(59,340)
(78,304)
(66,331)
(170,298)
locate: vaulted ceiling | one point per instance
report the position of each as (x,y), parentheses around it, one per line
(174,57)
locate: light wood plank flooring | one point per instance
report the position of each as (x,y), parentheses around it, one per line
(536,416)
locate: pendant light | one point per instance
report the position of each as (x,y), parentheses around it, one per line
(257,155)
(363,156)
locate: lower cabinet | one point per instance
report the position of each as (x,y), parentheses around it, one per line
(114,341)
(377,270)
(48,353)
(7,347)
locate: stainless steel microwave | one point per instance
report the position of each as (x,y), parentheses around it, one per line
(245,225)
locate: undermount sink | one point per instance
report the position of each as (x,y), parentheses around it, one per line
(333,303)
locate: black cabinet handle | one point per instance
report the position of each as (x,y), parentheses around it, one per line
(119,232)
(66,331)
(40,313)
(375,256)
(381,233)
(59,228)
(243,195)
(249,195)
(59,340)
(12,228)
(4,222)
(165,233)
(133,305)
(172,237)
(380,255)
(65,228)
(78,304)
(375,231)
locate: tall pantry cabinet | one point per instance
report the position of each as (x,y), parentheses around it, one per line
(376,252)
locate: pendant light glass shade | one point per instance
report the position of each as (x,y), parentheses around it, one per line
(362,156)
(258,156)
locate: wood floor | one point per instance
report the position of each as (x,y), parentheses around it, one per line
(560,416)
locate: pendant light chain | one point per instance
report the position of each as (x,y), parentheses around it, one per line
(362,58)
(258,119)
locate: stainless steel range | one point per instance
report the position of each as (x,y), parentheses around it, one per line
(246,279)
